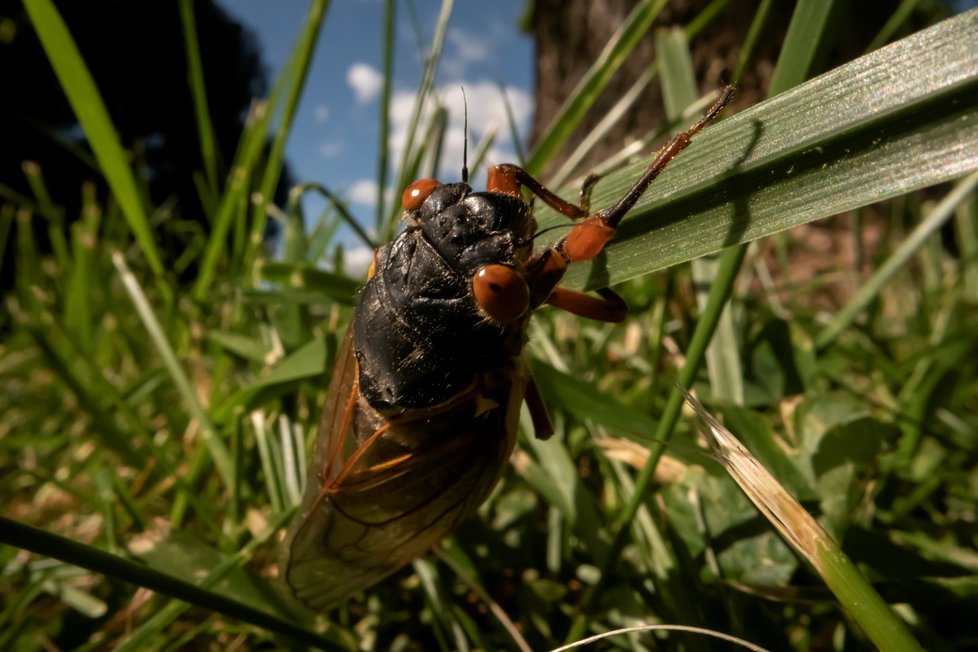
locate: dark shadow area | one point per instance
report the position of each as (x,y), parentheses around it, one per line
(738,226)
(136,54)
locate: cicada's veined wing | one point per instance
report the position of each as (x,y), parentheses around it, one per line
(330,438)
(383,492)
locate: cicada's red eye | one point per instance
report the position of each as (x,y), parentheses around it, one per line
(501,292)
(417,192)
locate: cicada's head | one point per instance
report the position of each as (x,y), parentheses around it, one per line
(484,236)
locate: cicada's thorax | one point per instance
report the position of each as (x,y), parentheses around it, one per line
(419,333)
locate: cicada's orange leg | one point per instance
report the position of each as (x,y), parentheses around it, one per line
(588,237)
(509,179)
(608,306)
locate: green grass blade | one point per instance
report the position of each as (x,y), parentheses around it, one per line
(383,153)
(727,270)
(205,129)
(583,97)
(901,118)
(679,90)
(432,142)
(676,74)
(728,266)
(807,537)
(82,273)
(303,276)
(481,150)
(28,269)
(298,72)
(215,445)
(705,17)
(44,543)
(107,434)
(234,201)
(966,228)
(85,100)
(296,194)
(806,39)
(621,108)
(898,260)
(270,470)
(238,183)
(46,208)
(411,153)
(514,130)
(454,558)
(104,402)
(896,19)
(751,40)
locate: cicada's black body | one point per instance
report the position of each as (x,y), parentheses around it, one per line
(423,408)
(426,396)
(419,334)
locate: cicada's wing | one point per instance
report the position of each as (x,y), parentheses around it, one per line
(382,493)
(331,439)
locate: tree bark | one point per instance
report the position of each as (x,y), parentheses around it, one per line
(570,35)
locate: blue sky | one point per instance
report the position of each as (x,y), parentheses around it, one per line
(334,138)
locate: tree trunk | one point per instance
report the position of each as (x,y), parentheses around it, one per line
(570,35)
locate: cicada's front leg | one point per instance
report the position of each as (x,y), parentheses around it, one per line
(589,236)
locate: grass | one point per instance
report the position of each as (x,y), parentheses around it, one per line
(153,435)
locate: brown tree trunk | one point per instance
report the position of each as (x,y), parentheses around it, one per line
(570,35)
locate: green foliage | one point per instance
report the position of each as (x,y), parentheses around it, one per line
(161,430)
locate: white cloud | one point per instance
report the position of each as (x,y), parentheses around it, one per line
(468,46)
(464,48)
(321,113)
(330,149)
(365,80)
(364,192)
(487,112)
(357,260)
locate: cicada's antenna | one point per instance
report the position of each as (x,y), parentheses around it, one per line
(465,137)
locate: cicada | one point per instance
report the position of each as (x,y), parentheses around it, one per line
(422,411)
